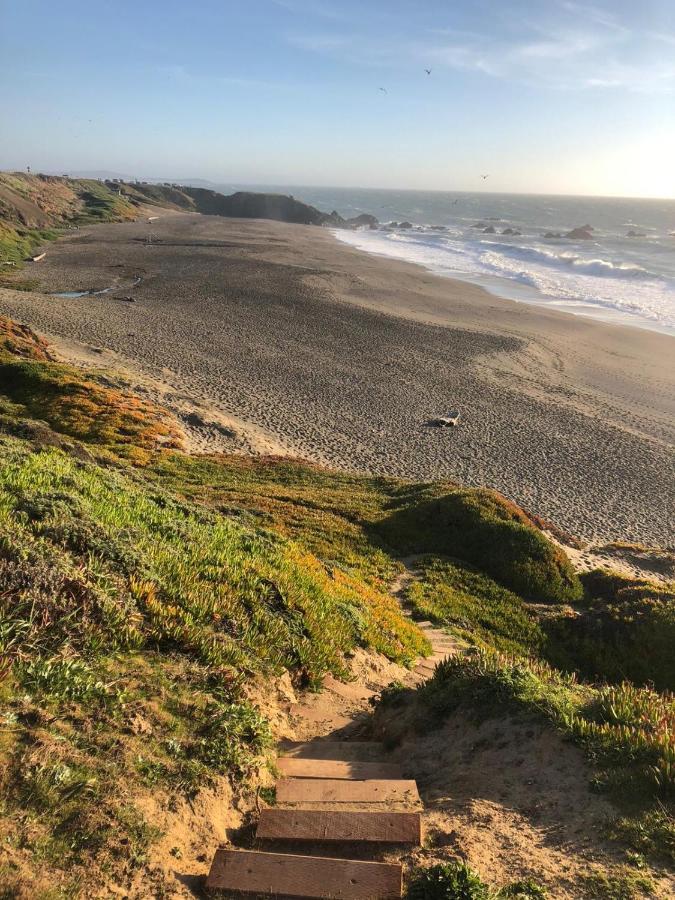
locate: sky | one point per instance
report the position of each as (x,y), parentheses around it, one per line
(544,96)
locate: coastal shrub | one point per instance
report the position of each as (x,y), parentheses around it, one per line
(628,732)
(17,244)
(457,881)
(90,556)
(74,404)
(483,528)
(475,606)
(626,630)
(447,881)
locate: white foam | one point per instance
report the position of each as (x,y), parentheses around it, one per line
(568,278)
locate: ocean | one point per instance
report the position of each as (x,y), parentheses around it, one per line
(613,276)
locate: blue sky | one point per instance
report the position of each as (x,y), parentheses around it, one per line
(551,96)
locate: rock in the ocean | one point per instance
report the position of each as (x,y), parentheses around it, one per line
(489,230)
(553,234)
(632,233)
(363,219)
(583,233)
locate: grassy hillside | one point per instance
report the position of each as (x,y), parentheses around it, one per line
(38,208)
(35,209)
(626,732)
(143,592)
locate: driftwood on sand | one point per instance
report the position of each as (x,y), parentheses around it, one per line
(448,421)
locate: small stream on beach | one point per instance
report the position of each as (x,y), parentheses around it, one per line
(74,295)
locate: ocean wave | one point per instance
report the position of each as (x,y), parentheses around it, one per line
(594,266)
(604,268)
(566,279)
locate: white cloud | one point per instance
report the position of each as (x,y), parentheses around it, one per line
(579,46)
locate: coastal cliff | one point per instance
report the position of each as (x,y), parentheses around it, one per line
(34,207)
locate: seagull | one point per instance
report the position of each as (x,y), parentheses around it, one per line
(384,90)
(484,177)
(428,71)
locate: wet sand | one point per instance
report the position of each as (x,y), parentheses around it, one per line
(273,337)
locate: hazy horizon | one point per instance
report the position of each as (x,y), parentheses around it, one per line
(223,185)
(546,98)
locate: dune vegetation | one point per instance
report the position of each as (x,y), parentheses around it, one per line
(145,592)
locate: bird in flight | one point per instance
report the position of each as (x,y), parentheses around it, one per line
(428,71)
(384,90)
(484,177)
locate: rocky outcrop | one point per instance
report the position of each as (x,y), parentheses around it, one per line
(249,205)
(365,219)
(512,231)
(582,233)
(553,234)
(634,234)
(279,207)
(490,230)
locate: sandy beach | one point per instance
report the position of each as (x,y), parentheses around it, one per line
(268,337)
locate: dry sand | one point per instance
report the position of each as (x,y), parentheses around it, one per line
(268,337)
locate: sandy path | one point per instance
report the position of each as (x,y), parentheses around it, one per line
(287,330)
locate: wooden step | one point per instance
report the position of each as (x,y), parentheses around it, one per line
(281,874)
(333,790)
(336,768)
(333,825)
(362,751)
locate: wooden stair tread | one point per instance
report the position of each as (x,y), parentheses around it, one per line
(333,790)
(334,825)
(362,751)
(281,874)
(336,768)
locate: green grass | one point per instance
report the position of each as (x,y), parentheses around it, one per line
(33,386)
(100,202)
(474,606)
(627,732)
(18,244)
(168,573)
(457,881)
(623,630)
(332,514)
(57,203)
(482,528)
(622,886)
